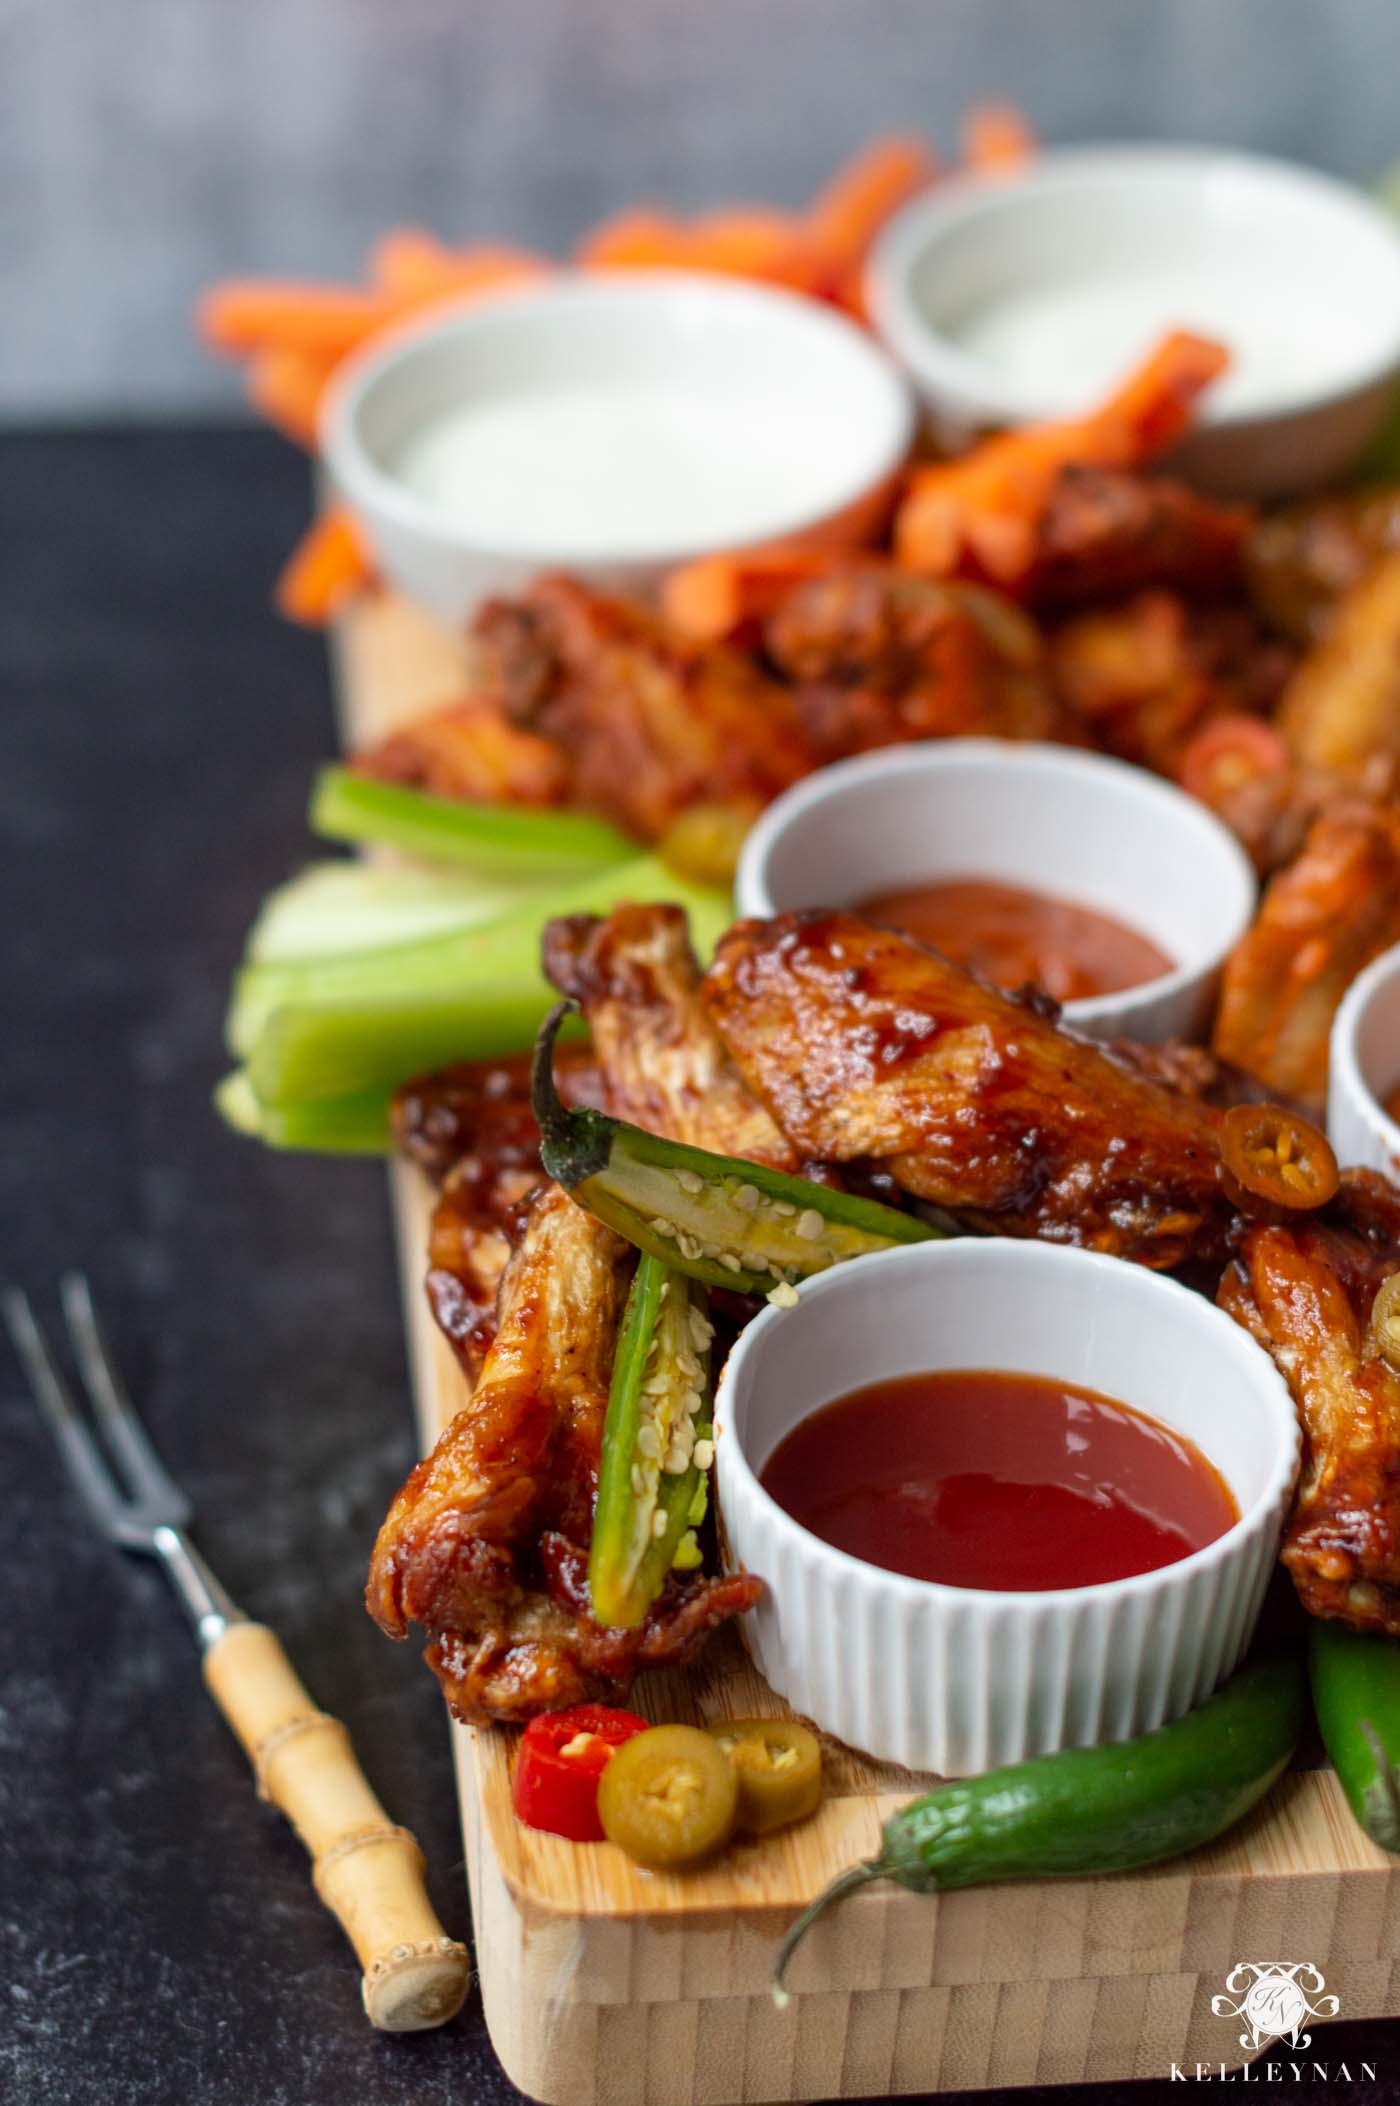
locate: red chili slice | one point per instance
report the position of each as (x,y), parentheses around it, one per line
(562,1756)
(1270,1154)
(1228,753)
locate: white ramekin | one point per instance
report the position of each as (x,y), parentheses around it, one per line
(1089,829)
(958,1680)
(736,340)
(1364,1068)
(1084,209)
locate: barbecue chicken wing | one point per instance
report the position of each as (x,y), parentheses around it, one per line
(878,655)
(484,1545)
(863,1044)
(1305,1293)
(1321,920)
(1341,710)
(663,1063)
(648,722)
(470,750)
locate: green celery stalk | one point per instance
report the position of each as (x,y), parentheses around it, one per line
(350,1125)
(511,840)
(333,907)
(492,969)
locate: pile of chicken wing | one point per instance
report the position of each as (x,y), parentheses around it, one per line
(1049,585)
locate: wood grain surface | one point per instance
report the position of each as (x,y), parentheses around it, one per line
(608,1986)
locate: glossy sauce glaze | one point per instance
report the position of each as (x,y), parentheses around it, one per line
(976,1478)
(1009,935)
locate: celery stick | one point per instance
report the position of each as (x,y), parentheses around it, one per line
(309,1051)
(350,1125)
(334,907)
(510,840)
(448,967)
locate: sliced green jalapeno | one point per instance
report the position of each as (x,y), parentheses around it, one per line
(657,1446)
(716,1218)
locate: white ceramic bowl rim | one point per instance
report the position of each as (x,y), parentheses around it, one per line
(1072,169)
(830,782)
(857,1272)
(1345,1031)
(371,488)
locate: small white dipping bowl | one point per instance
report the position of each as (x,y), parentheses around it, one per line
(806,416)
(1364,1068)
(1093,253)
(1076,825)
(958,1680)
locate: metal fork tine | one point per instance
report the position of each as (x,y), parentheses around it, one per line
(89,1473)
(116,1414)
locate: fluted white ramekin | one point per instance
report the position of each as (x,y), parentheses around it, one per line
(1079,825)
(1364,1068)
(958,1680)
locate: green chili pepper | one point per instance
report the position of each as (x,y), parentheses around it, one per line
(657,1446)
(1356,1695)
(1091,1809)
(716,1218)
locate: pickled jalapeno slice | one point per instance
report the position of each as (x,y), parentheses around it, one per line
(778,1762)
(668,1797)
(1272,1154)
(716,1218)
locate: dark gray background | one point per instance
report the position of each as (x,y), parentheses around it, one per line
(149,145)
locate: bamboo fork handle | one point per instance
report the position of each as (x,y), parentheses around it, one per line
(368,1872)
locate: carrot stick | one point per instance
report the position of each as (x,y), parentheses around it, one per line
(749,241)
(718,596)
(328,566)
(244,316)
(286,388)
(844,218)
(979,514)
(640,239)
(996,137)
(411,266)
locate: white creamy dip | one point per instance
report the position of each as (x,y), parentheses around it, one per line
(594,469)
(1066,342)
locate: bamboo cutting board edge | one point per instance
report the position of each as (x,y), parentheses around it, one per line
(595,1975)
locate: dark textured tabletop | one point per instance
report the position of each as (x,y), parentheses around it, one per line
(161,1940)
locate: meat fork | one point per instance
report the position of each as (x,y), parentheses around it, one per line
(367,1871)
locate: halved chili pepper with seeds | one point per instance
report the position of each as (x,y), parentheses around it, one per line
(715,1218)
(779,1765)
(562,1756)
(1270,1154)
(657,1445)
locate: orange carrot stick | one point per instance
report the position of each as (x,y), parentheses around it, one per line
(749,241)
(719,596)
(286,388)
(640,239)
(244,316)
(327,568)
(996,137)
(411,266)
(844,218)
(978,515)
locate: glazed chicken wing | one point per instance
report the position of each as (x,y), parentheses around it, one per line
(664,1065)
(878,655)
(485,1545)
(470,750)
(1341,710)
(648,721)
(1321,920)
(1305,1293)
(861,1043)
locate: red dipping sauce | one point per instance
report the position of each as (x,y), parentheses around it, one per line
(975,1478)
(1009,936)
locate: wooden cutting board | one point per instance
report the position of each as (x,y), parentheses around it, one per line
(607,1986)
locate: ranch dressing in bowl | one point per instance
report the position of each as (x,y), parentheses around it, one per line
(596,465)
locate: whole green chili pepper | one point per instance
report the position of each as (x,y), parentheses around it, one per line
(656,1445)
(1356,1694)
(716,1218)
(1090,1810)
